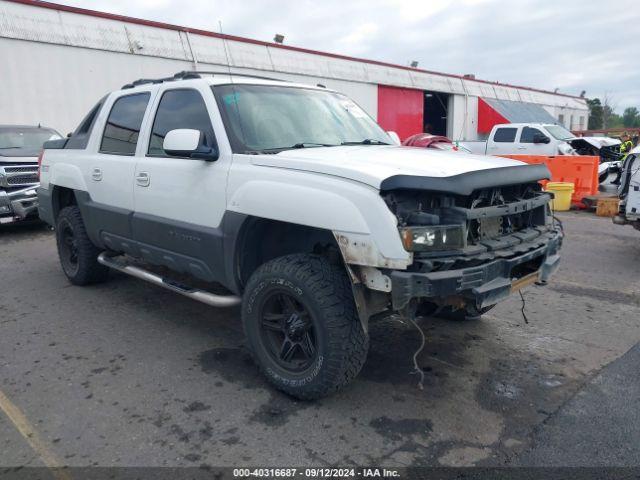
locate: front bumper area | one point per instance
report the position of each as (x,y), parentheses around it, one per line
(18,205)
(481,285)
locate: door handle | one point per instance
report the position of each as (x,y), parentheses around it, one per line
(96,174)
(522,148)
(142,179)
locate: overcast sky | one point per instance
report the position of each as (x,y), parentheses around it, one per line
(572,45)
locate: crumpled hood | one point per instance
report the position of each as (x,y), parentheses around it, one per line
(372,164)
(597,142)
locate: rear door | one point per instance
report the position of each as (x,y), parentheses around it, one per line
(503,141)
(180,202)
(109,165)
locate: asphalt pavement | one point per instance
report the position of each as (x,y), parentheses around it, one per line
(126,374)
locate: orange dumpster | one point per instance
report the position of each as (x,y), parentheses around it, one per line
(581,170)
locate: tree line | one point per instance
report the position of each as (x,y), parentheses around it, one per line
(603,116)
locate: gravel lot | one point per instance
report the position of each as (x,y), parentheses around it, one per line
(127,374)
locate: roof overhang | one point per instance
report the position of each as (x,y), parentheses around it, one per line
(493,112)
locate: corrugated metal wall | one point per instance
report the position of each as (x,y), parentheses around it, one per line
(56,64)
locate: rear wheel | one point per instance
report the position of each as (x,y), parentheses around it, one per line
(302,327)
(78,255)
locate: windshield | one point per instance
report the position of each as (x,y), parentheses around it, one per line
(266,118)
(558,132)
(25,138)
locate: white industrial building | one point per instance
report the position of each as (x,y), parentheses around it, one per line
(57,61)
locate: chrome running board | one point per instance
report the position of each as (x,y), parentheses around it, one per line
(193,293)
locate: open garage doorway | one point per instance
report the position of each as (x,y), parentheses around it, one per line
(435,113)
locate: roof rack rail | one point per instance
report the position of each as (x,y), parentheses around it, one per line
(227,73)
(191,74)
(183,75)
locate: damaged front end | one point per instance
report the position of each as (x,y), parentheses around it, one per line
(472,251)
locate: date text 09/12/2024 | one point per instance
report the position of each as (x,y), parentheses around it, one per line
(316,472)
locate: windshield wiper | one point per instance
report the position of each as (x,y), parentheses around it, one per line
(296,146)
(366,141)
(312,144)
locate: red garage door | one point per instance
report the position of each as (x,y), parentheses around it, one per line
(400,110)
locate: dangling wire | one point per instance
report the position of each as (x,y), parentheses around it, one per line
(416,367)
(556,219)
(524,315)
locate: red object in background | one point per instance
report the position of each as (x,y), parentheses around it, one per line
(425,140)
(400,110)
(488,117)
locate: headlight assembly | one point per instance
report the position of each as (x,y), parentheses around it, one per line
(433,238)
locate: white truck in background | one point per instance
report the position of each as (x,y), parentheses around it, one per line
(629,191)
(525,139)
(547,139)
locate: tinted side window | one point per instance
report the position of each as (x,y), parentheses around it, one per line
(505,135)
(123,125)
(180,109)
(528,133)
(80,137)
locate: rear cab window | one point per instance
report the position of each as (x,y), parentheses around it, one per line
(121,132)
(505,135)
(80,137)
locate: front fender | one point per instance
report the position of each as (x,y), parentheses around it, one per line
(365,228)
(303,205)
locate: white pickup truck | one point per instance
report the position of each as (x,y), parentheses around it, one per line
(292,201)
(542,139)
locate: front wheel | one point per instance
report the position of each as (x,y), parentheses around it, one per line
(78,255)
(302,327)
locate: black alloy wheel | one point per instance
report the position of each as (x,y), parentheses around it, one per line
(78,255)
(68,246)
(302,325)
(288,333)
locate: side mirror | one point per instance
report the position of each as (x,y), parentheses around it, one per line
(185,142)
(540,138)
(394,137)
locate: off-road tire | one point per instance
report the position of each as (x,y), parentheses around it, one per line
(325,291)
(86,269)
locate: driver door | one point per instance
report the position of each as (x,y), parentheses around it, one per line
(179,202)
(526,145)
